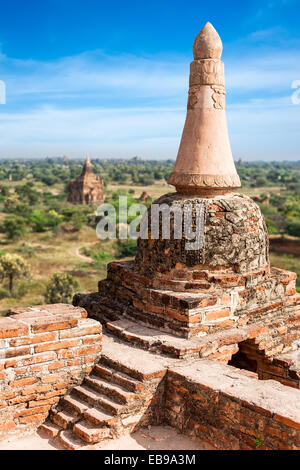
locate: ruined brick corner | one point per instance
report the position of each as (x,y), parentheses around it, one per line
(44,352)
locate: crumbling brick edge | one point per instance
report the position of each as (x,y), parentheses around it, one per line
(44,352)
(229,410)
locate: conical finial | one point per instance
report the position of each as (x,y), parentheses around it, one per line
(204,164)
(207,44)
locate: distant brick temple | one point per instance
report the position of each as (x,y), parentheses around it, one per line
(87,188)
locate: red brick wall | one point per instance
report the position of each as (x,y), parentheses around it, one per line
(284,369)
(230,410)
(44,351)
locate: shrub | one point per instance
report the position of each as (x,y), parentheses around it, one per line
(293,228)
(61,288)
(126,248)
(26,249)
(14,226)
(77,220)
(38,221)
(271,226)
(101,257)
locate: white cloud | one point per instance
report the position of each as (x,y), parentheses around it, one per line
(267,34)
(137,77)
(103,131)
(127,105)
(97,73)
(262,129)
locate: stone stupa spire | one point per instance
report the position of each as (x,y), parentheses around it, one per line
(205,164)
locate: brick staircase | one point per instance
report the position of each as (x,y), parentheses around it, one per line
(154,340)
(122,393)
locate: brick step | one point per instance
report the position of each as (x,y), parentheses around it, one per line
(155,340)
(98,417)
(177,285)
(63,418)
(174,293)
(90,433)
(114,391)
(74,404)
(177,282)
(131,423)
(129,383)
(134,362)
(69,441)
(49,429)
(97,399)
(112,400)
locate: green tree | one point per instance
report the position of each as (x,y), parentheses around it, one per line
(38,220)
(53,218)
(61,288)
(261,181)
(13,267)
(14,226)
(4,191)
(26,192)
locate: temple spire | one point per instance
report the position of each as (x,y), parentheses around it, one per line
(87,160)
(204,164)
(87,164)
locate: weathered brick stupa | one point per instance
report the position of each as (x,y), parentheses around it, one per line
(223,289)
(218,302)
(87,188)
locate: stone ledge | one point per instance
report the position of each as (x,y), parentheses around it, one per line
(229,410)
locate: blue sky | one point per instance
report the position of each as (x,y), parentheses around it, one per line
(111,78)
